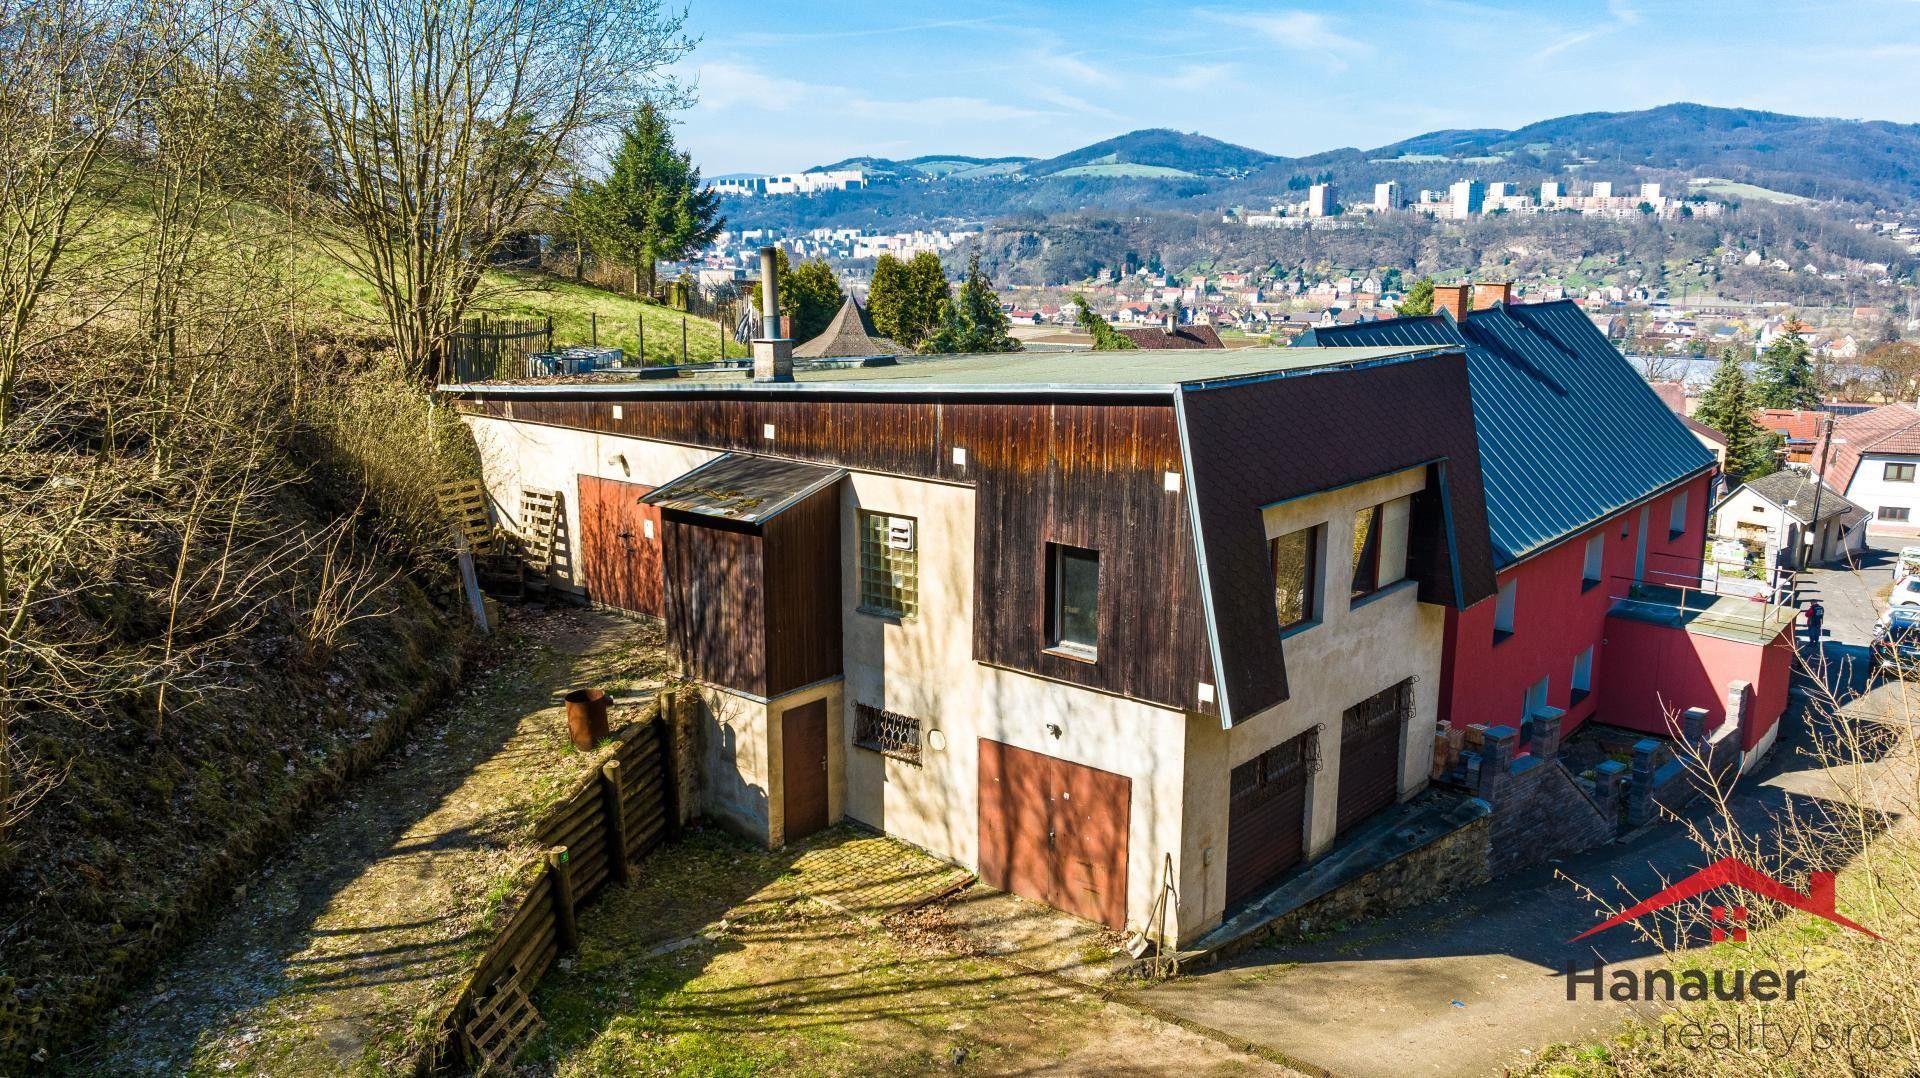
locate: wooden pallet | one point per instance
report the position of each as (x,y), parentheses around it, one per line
(465,504)
(539,523)
(502,1023)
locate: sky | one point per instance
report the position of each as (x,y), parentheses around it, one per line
(783,85)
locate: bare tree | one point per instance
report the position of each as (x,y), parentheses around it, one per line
(443,121)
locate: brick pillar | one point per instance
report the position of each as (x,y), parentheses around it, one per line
(1496,754)
(1640,797)
(1546,732)
(1740,706)
(1608,781)
(1693,727)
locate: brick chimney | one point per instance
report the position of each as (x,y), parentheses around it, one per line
(772,353)
(1452,298)
(1488,293)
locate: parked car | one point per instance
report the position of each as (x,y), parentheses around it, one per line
(1896,644)
(1907,564)
(1906,593)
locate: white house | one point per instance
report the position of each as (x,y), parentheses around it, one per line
(1876,456)
(1776,512)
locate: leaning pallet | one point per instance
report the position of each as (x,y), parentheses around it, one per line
(539,521)
(464,502)
(501,1025)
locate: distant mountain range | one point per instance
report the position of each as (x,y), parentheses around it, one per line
(1764,155)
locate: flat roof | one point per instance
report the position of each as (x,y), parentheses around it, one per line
(1134,370)
(743,486)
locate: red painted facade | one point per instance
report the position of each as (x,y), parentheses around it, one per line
(1655,671)
(1557,615)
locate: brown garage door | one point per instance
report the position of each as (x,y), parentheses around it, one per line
(1267,818)
(1370,754)
(620,546)
(1054,831)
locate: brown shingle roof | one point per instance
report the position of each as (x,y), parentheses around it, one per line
(851,333)
(1894,428)
(1674,394)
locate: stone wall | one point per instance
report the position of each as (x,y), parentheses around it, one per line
(1453,862)
(1543,815)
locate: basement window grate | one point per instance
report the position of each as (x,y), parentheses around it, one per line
(887,733)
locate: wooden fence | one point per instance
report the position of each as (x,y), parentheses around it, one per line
(495,348)
(613,817)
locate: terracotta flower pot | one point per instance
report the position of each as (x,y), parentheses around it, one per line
(587,717)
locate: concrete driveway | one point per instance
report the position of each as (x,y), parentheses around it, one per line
(1472,985)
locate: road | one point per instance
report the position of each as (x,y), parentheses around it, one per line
(1472,985)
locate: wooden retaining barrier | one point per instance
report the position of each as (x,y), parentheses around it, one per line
(613,817)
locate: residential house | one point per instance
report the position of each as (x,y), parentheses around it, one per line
(1597,500)
(1800,428)
(1875,459)
(1775,513)
(1194,336)
(1100,632)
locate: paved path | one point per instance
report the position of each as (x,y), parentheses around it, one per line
(329,952)
(1471,985)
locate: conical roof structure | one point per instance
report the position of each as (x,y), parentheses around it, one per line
(851,333)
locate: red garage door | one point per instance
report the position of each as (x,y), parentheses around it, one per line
(1054,831)
(620,546)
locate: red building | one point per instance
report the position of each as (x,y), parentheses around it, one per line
(1597,499)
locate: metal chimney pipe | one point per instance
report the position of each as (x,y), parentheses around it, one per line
(770,293)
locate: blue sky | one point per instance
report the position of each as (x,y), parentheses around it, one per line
(787,85)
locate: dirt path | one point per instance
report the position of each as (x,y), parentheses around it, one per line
(330,951)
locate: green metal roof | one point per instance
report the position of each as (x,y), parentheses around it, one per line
(1137,370)
(1569,432)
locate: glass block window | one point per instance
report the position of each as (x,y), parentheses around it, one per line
(887,733)
(889,564)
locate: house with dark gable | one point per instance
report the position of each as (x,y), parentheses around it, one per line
(1134,637)
(1597,498)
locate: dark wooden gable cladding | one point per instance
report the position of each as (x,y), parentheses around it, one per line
(1083,472)
(756,608)
(1255,443)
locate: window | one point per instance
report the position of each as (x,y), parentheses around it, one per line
(1296,577)
(889,565)
(1595,562)
(1536,699)
(1582,674)
(1898,473)
(1366,551)
(1503,609)
(1893,512)
(886,733)
(1677,516)
(1073,600)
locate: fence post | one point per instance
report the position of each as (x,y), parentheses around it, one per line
(549,333)
(641,321)
(683,340)
(720,327)
(561,870)
(594,317)
(668,717)
(614,804)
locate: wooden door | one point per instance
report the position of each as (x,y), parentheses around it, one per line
(803,769)
(1266,818)
(620,544)
(1370,755)
(1055,831)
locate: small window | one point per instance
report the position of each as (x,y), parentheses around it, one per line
(1503,609)
(889,565)
(1296,577)
(1677,516)
(1595,562)
(1582,674)
(1073,600)
(1894,512)
(1898,473)
(1366,551)
(887,733)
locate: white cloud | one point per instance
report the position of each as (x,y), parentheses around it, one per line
(1297,31)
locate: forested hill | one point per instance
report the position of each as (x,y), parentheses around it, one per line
(1874,163)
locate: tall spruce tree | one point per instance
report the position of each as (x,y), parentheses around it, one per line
(907,298)
(1726,406)
(651,206)
(1786,377)
(974,321)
